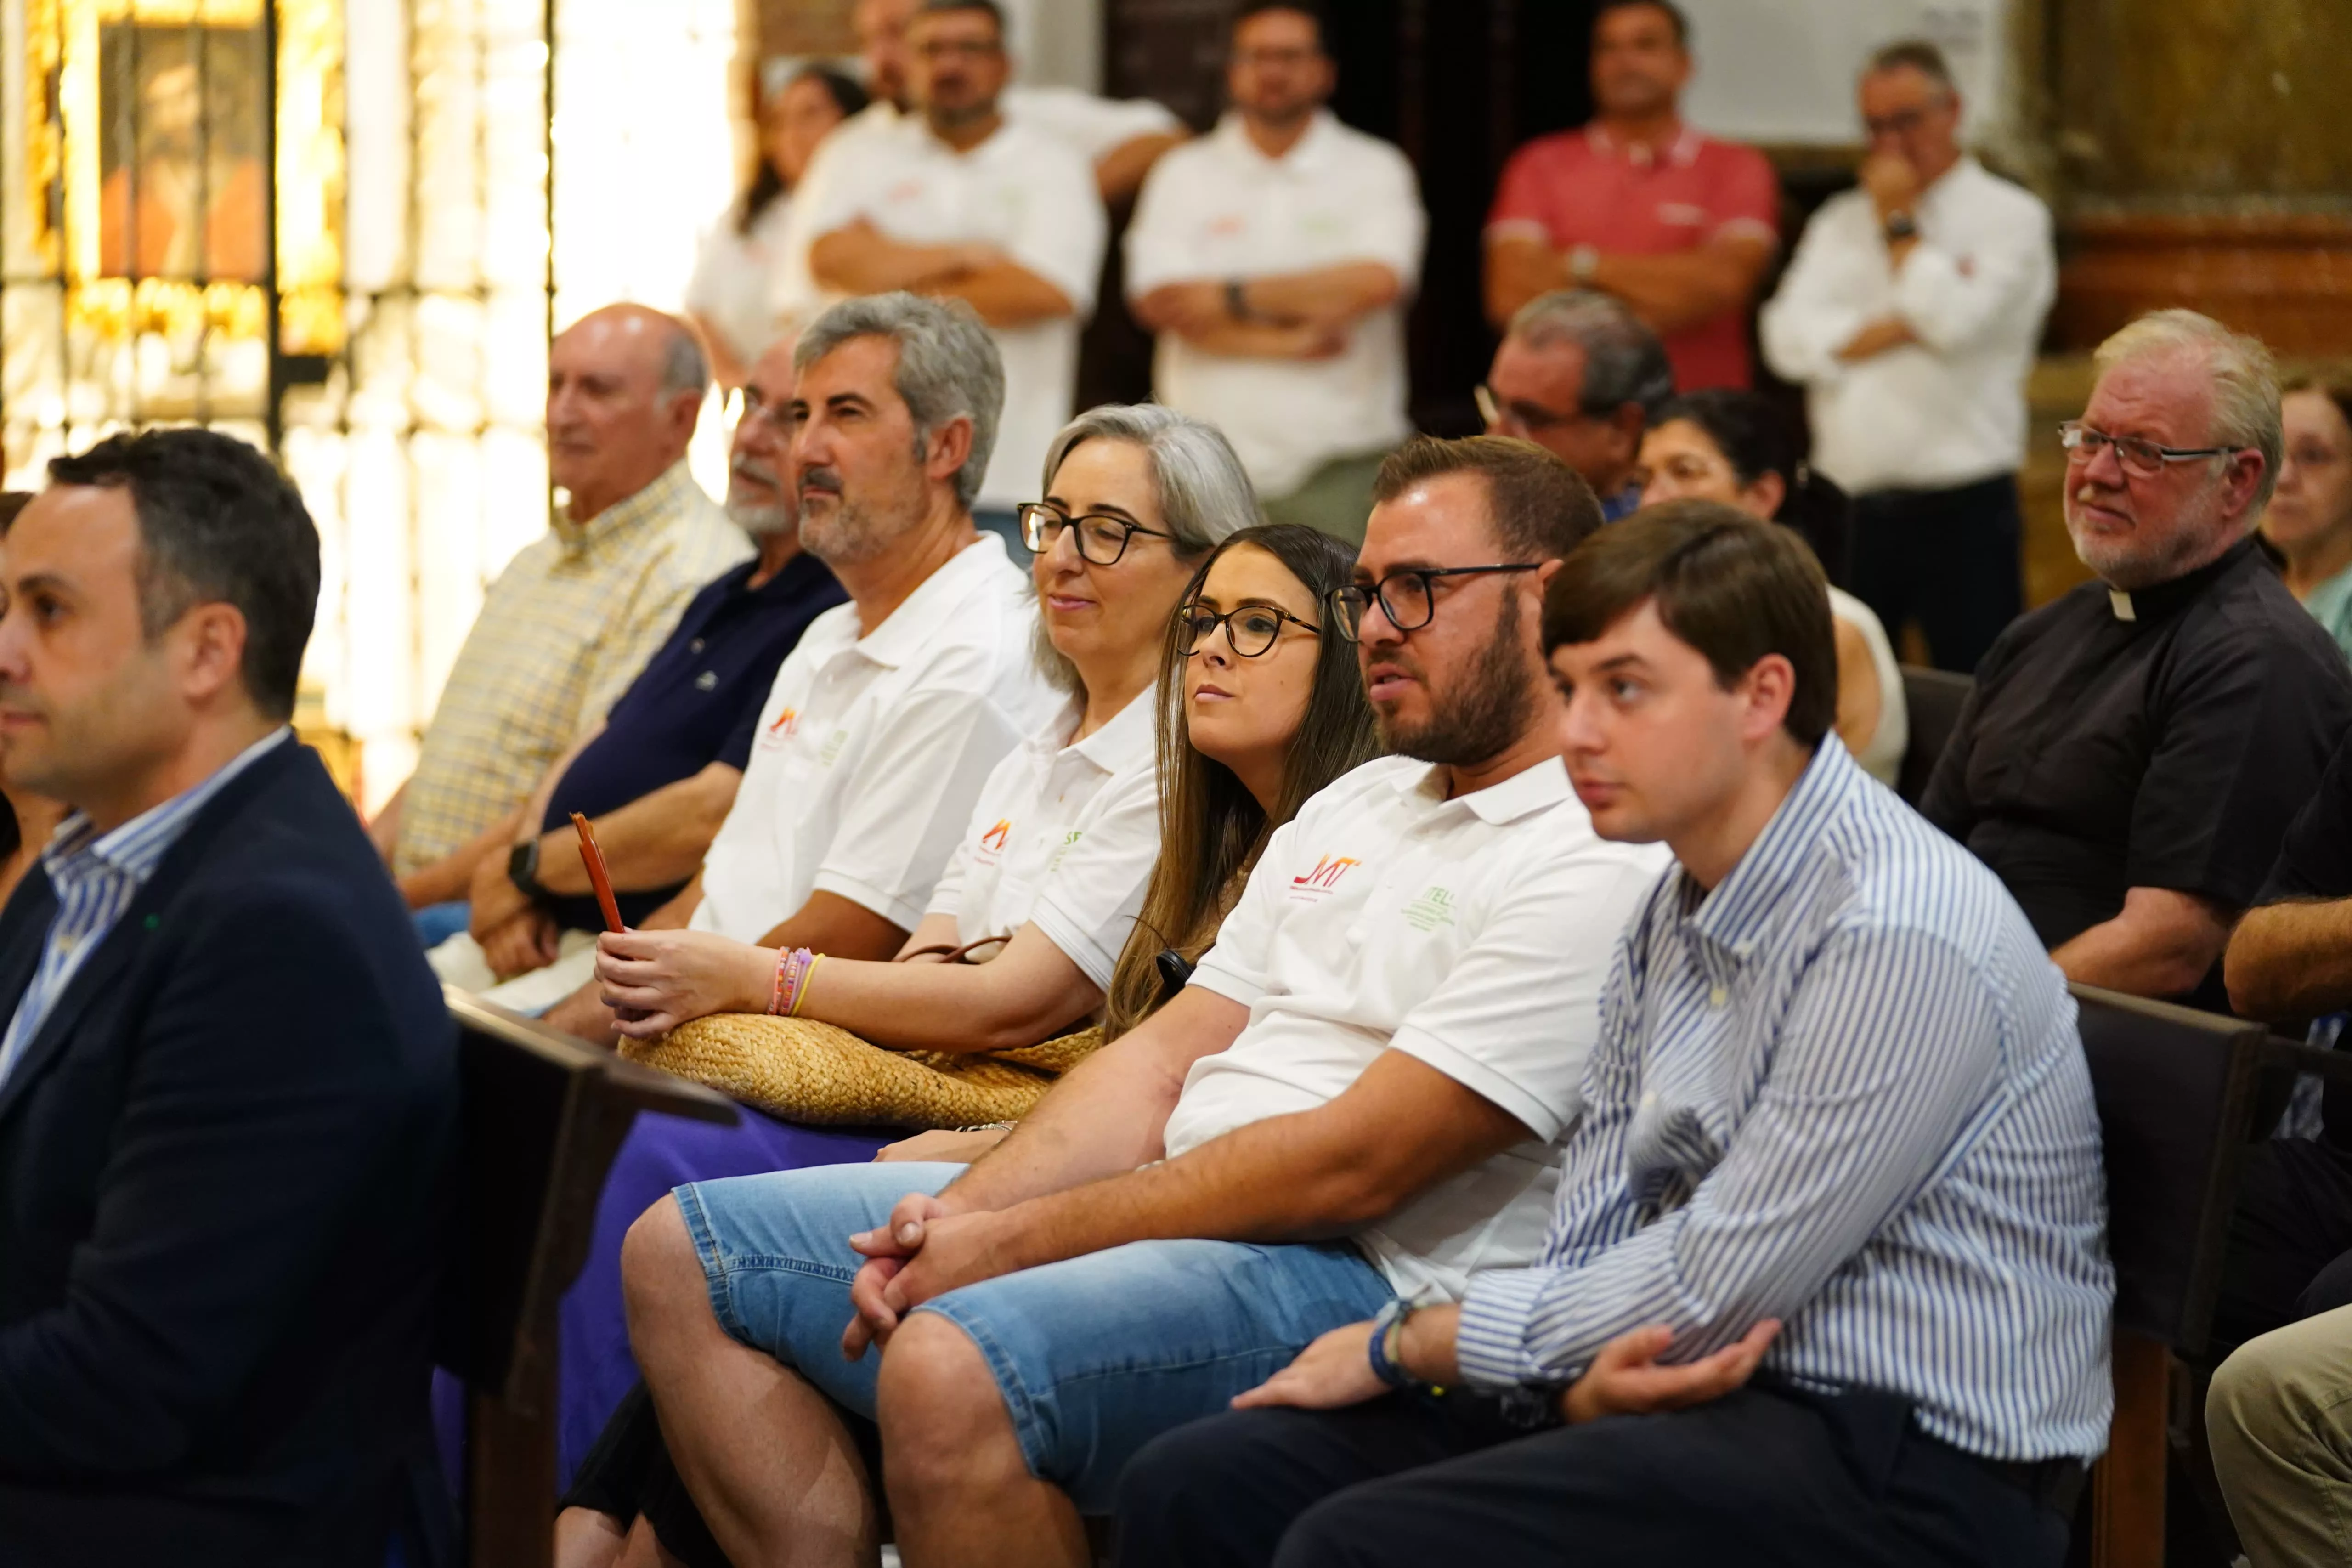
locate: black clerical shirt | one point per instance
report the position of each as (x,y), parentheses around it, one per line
(2159,739)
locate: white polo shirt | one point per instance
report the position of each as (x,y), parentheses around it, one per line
(1064,834)
(872,748)
(1218,208)
(1023,191)
(1474,934)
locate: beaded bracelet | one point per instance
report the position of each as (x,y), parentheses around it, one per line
(793,964)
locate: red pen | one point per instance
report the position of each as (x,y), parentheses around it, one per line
(598,877)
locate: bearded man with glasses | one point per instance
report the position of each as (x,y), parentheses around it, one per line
(2132,752)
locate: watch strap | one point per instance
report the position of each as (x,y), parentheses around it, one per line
(1390,1374)
(522,871)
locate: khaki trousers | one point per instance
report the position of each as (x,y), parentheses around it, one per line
(2280,1417)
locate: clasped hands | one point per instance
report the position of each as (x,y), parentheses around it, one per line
(1624,1379)
(926,1248)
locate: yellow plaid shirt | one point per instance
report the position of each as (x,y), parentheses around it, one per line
(562,634)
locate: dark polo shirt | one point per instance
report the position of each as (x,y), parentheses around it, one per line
(2161,739)
(697,702)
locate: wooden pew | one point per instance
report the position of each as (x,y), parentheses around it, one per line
(544,1114)
(2178,1095)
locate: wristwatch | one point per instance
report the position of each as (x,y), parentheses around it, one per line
(1900,227)
(522,871)
(1583,261)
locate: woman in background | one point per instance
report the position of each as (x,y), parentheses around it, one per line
(1734,447)
(734,273)
(2309,520)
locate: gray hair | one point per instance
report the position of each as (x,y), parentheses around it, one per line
(1913,53)
(949,367)
(2244,378)
(1624,361)
(685,367)
(1204,494)
(1203,491)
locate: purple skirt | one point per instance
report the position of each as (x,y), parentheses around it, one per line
(660,1153)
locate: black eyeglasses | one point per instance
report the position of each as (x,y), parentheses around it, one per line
(1407,599)
(1102,538)
(1250,631)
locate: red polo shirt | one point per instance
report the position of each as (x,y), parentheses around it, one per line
(1585,187)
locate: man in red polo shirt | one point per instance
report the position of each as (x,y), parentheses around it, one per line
(1678,225)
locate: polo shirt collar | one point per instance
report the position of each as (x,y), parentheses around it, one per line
(1681,151)
(1308,155)
(1524,793)
(2162,600)
(903,634)
(1125,743)
(631,514)
(1735,911)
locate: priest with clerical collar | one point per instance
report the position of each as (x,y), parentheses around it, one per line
(2132,752)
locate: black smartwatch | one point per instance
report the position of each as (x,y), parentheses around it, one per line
(1901,226)
(522,871)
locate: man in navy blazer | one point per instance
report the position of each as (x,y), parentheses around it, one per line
(227,1085)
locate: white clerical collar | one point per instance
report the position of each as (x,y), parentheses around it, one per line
(2121,603)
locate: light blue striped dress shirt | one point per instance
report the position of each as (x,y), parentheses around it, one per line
(95,876)
(1844,1089)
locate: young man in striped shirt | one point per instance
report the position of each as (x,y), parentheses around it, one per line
(1827,1279)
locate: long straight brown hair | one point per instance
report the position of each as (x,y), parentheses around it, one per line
(1212,828)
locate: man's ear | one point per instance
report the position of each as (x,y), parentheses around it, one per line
(2244,477)
(208,651)
(948,450)
(1771,685)
(682,413)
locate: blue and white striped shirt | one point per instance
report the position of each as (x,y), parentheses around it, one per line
(95,878)
(1844,1089)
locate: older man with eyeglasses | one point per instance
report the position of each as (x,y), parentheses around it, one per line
(1910,313)
(1580,375)
(2132,752)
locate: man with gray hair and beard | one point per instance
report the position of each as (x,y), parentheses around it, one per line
(888,715)
(2132,752)
(658,772)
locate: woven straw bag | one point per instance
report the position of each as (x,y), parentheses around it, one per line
(802,1070)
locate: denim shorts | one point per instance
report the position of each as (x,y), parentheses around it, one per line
(1094,1356)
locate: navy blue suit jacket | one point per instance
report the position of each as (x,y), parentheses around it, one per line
(225,1169)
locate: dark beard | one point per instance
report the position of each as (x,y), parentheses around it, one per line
(1489,708)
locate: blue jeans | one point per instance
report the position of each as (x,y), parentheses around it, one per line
(436,924)
(1094,1356)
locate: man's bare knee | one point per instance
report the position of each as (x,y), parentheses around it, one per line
(936,1398)
(661,1273)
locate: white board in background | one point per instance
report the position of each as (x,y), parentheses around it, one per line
(1782,72)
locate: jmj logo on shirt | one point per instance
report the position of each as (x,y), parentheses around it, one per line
(991,843)
(1434,908)
(1323,878)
